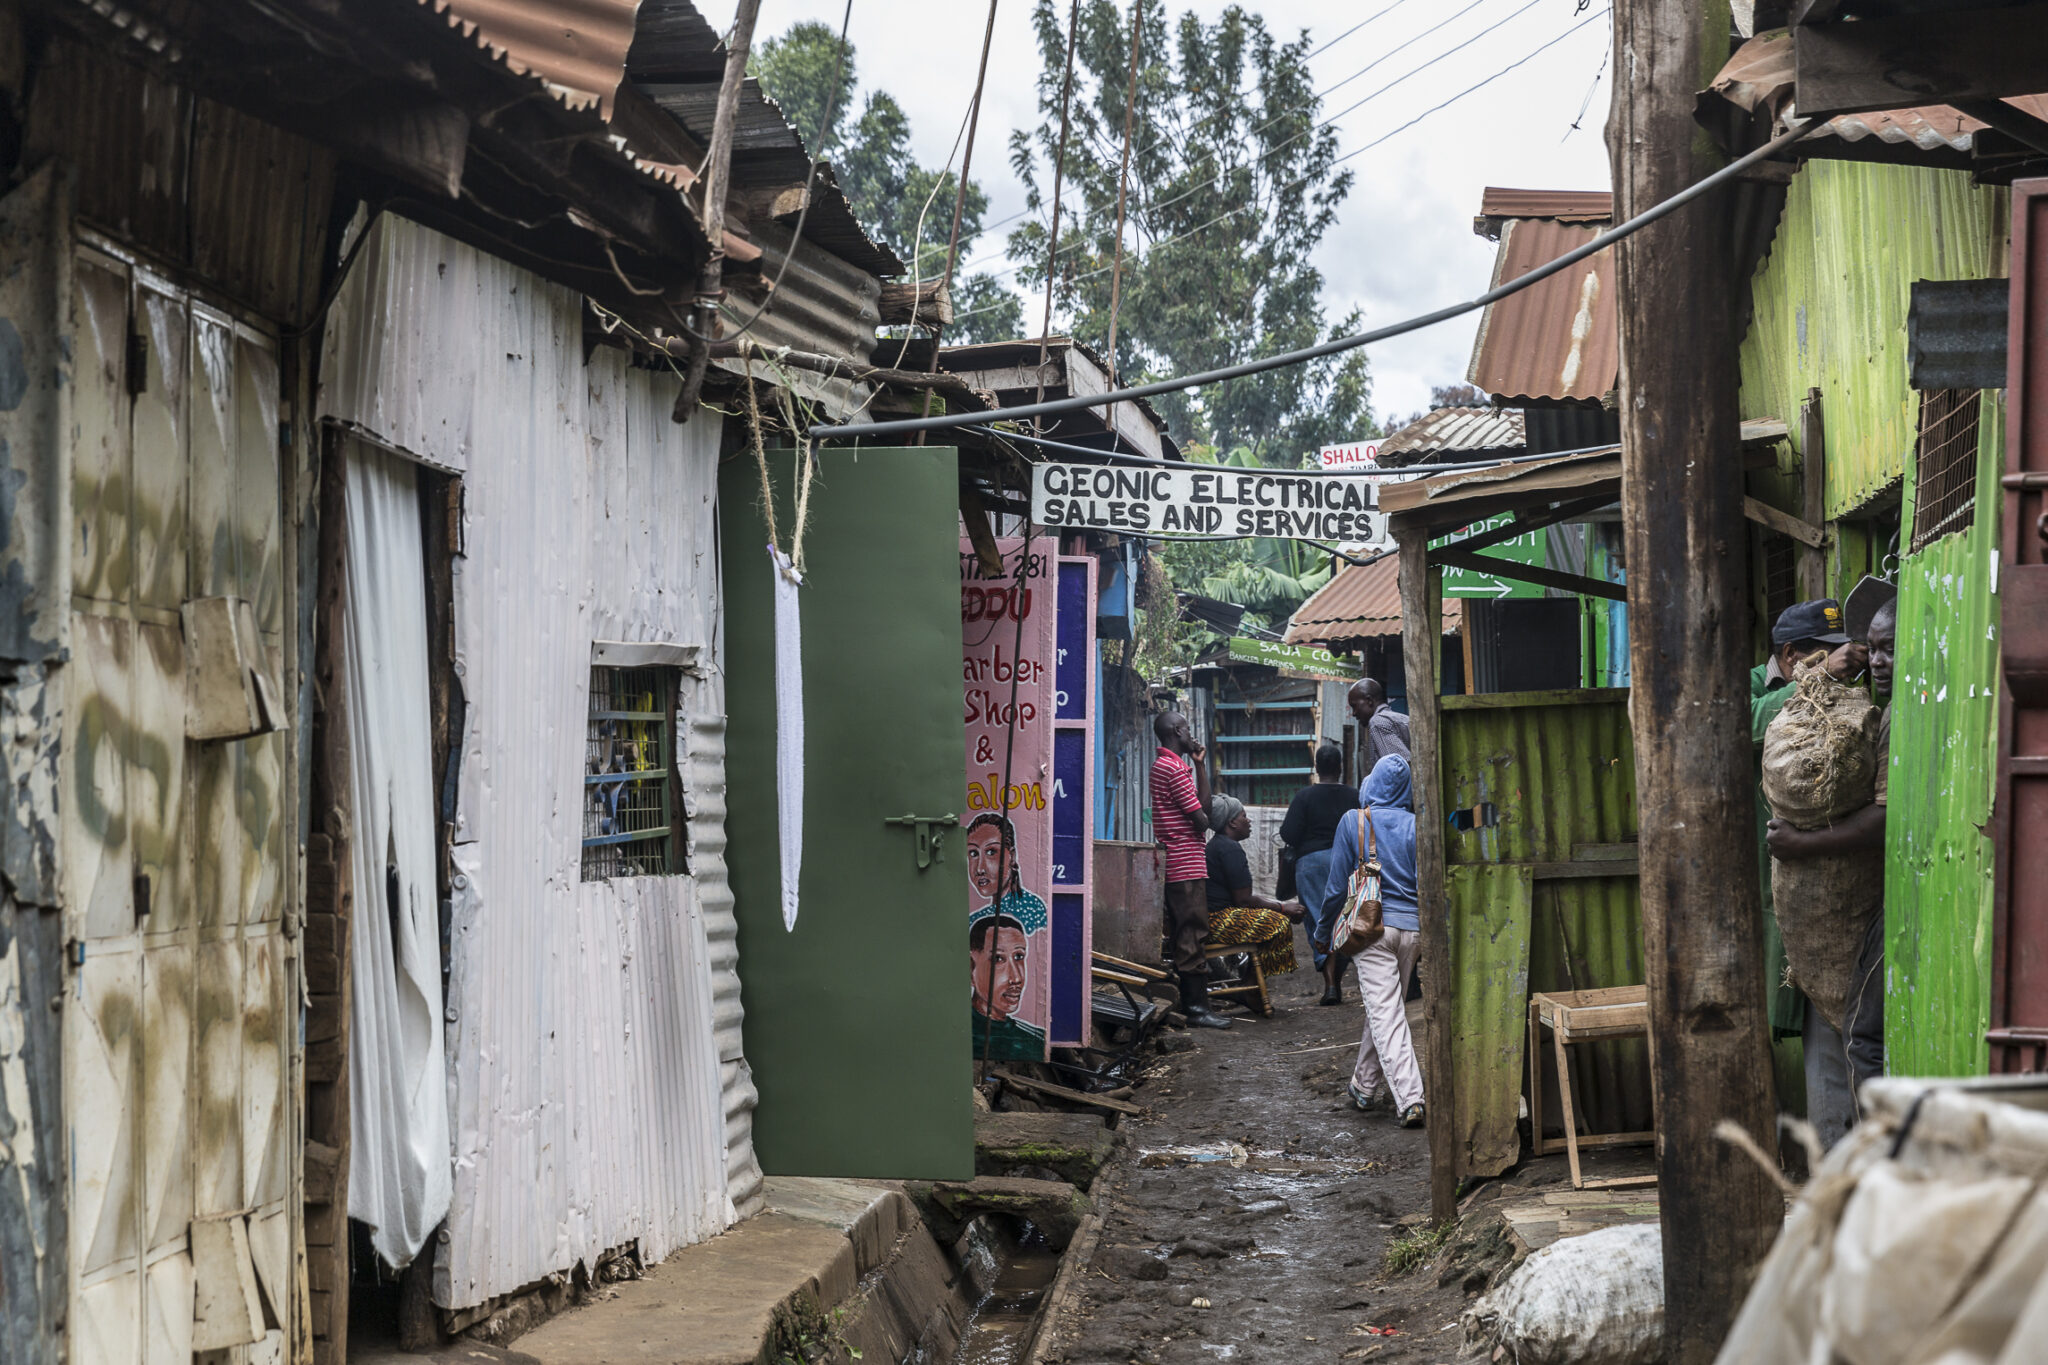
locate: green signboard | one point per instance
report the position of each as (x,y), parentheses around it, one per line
(1298,661)
(1526,548)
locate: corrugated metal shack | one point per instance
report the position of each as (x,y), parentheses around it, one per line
(344,416)
(1879,202)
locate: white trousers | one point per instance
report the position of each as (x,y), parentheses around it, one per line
(1386,1054)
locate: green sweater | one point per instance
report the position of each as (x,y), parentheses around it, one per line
(1787,1003)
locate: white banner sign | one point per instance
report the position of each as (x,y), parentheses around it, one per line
(1360,455)
(1208,501)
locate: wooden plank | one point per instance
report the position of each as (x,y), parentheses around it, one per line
(1560,696)
(1682,490)
(323,1169)
(1810,565)
(1910,60)
(1620,1182)
(1060,1092)
(1151,973)
(1589,867)
(1625,851)
(1784,523)
(1105,974)
(1530,573)
(1421,639)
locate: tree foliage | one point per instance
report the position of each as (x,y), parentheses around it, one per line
(906,205)
(1232,186)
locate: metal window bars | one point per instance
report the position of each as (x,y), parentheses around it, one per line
(629,806)
(1945,464)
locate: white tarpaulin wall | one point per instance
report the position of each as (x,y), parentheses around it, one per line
(598,1091)
(398,1167)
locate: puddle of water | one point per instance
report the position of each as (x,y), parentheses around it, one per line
(999,1329)
(1215,1154)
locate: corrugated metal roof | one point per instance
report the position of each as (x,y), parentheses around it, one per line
(1498,205)
(1454,430)
(1761,73)
(1361,600)
(1557,340)
(577,46)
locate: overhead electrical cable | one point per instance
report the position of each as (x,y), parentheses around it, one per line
(1335,346)
(1251,204)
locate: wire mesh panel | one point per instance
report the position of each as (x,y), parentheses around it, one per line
(630,814)
(1945,467)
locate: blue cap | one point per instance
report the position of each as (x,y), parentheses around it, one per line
(1819,620)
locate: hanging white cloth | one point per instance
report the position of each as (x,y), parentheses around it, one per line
(400,1171)
(789,730)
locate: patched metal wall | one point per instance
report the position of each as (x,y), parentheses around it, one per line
(180,1017)
(1546,781)
(1943,759)
(598,1094)
(1830,310)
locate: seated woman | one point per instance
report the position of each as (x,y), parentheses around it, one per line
(1309,829)
(1237,914)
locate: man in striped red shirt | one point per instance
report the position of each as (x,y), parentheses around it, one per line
(1180,805)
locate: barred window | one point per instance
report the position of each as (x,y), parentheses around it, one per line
(1945,465)
(632,806)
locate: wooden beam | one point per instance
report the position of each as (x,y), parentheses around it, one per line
(1529,573)
(904,304)
(1917,59)
(1422,598)
(1811,566)
(1681,499)
(1784,523)
(980,533)
(2017,124)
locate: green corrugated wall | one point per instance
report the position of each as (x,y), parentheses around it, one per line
(1831,302)
(1944,719)
(1558,768)
(1830,312)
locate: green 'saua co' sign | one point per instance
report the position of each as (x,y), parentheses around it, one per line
(1300,660)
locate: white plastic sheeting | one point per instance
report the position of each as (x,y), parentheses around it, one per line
(398,1163)
(599,1094)
(1922,1239)
(789,729)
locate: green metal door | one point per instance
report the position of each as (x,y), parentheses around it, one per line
(856,1019)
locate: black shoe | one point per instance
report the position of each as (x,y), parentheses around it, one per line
(1201,1016)
(1333,994)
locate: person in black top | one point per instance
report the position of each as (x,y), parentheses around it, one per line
(1310,825)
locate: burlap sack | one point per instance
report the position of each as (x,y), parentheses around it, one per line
(1820,763)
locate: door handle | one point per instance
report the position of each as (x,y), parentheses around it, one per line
(931,838)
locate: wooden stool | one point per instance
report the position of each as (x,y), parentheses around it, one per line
(1579,1017)
(1254,989)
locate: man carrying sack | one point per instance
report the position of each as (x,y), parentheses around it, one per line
(1825,759)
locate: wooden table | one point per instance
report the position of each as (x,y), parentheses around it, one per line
(1580,1017)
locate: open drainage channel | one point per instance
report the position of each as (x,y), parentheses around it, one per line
(1008,1270)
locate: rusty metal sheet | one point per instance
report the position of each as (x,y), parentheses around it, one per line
(1130,899)
(1557,340)
(1564,206)
(1361,600)
(1457,430)
(578,47)
(1549,778)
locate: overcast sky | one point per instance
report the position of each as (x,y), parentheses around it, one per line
(1403,241)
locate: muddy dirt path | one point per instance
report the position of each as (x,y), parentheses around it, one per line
(1287,1247)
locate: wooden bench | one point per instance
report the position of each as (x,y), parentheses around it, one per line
(1582,1017)
(1250,984)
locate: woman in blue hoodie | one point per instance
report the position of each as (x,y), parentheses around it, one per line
(1386,1054)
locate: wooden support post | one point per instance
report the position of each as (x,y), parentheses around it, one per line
(1422,594)
(1682,510)
(1812,568)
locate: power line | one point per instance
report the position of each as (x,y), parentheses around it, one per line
(1335,346)
(1232,213)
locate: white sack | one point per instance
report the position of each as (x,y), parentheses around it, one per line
(1591,1300)
(399,1157)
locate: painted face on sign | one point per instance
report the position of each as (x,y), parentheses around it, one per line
(998,972)
(984,853)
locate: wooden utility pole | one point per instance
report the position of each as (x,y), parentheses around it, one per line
(1688,646)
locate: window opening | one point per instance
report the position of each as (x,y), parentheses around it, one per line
(632,817)
(1945,466)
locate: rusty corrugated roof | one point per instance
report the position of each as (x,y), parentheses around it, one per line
(1456,431)
(1497,206)
(1557,340)
(1361,600)
(1761,73)
(578,47)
